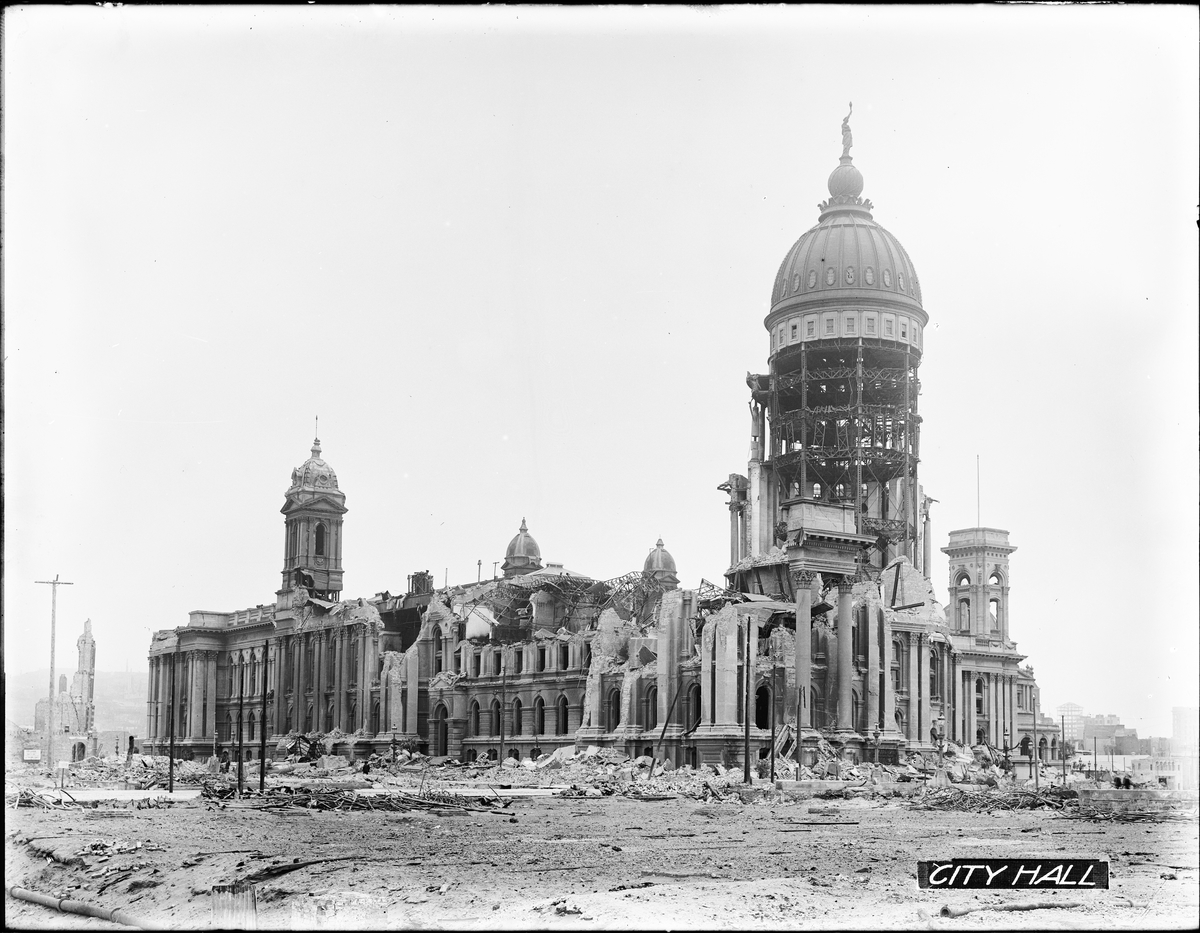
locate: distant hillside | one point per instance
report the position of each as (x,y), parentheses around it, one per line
(120,698)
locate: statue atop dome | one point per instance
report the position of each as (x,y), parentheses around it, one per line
(847,137)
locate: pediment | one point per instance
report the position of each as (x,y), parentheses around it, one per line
(315,503)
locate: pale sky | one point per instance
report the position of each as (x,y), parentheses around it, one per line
(518,259)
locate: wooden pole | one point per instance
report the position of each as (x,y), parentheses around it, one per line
(773,682)
(54,585)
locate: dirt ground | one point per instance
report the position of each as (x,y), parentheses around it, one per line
(590,863)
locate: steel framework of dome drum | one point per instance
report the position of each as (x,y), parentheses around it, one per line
(846,327)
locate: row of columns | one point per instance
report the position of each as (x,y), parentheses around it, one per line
(840,671)
(1000,708)
(309,655)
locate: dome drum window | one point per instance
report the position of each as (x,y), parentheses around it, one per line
(887,278)
(812,278)
(869,275)
(849,275)
(830,275)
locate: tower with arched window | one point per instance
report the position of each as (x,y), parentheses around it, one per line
(979,581)
(312,511)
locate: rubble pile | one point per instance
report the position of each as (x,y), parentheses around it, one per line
(986,801)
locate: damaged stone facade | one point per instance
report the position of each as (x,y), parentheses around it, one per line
(73,715)
(826,634)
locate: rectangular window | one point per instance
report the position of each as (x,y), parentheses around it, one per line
(496,660)
(829,325)
(795,331)
(541,658)
(903,330)
(887,328)
(870,325)
(849,325)
(812,329)
(518,661)
(478,663)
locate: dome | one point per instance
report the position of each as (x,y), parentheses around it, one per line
(314,473)
(523,554)
(661,565)
(846,261)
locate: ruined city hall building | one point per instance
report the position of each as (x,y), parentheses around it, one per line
(826,626)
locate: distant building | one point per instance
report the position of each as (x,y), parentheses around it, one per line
(73,717)
(1071,717)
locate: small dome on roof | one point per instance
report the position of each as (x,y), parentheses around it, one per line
(314,473)
(661,565)
(523,554)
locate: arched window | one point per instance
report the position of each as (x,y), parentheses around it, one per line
(539,716)
(994,614)
(516,721)
(353,661)
(964,614)
(287,722)
(308,718)
(858,715)
(330,664)
(472,754)
(614,709)
(995,579)
(934,680)
(375,718)
(437,649)
(816,491)
(183,729)
(979,697)
(514,753)
(587,655)
(292,541)
(693,706)
(478,662)
(249,727)
(963,579)
(839,491)
(899,669)
(1026,747)
(353,716)
(329,716)
(474,718)
(651,718)
(561,706)
(762,707)
(495,723)
(320,540)
(518,660)
(564,657)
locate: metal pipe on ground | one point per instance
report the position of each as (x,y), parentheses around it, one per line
(114,915)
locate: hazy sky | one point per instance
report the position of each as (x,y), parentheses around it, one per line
(517,260)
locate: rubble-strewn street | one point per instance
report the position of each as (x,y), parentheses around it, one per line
(590,841)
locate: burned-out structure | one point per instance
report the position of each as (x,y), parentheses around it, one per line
(825,630)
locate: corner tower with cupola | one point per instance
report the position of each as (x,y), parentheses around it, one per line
(312,510)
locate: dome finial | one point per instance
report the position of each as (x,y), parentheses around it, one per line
(847,137)
(659,544)
(523,528)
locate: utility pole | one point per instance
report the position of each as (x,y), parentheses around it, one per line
(773,682)
(54,585)
(479,571)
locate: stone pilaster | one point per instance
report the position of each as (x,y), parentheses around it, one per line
(802,585)
(923,649)
(845,630)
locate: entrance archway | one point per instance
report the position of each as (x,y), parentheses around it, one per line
(440,735)
(762,707)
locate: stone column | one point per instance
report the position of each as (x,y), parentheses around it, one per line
(923,648)
(414,674)
(708,643)
(734,533)
(318,682)
(914,688)
(958,705)
(889,692)
(339,681)
(971,720)
(150,700)
(364,680)
(750,671)
(210,695)
(803,585)
(872,690)
(845,652)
